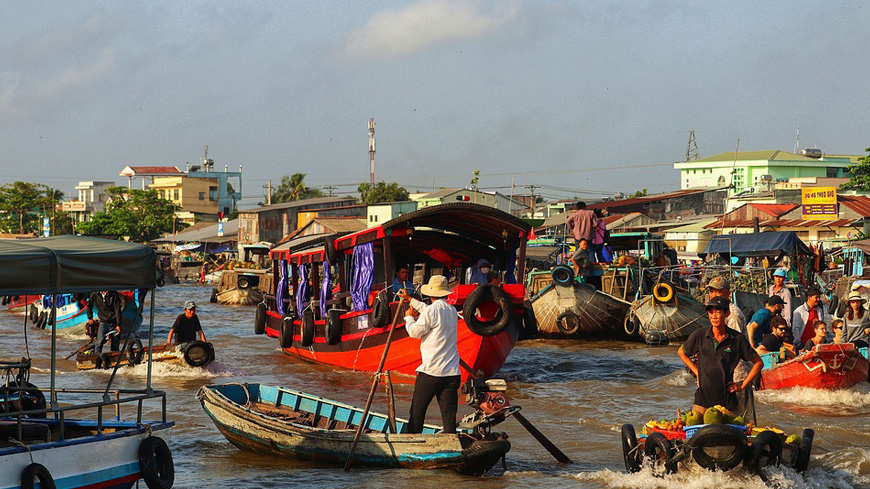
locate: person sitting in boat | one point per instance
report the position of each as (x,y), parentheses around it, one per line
(719,287)
(776,341)
(718,349)
(493,278)
(820,328)
(856,321)
(109,305)
(837,331)
(779,288)
(477,273)
(438,376)
(401,281)
(580,259)
(186,326)
(759,325)
(806,315)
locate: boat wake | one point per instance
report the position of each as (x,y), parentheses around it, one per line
(852,399)
(679,379)
(173,370)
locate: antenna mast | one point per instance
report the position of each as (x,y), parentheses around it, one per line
(797,140)
(372,151)
(692,148)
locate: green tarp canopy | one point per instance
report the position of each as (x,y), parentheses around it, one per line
(63,264)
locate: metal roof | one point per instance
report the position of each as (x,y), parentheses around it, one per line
(204,232)
(857,203)
(763,155)
(653,198)
(297,203)
(774,210)
(488,223)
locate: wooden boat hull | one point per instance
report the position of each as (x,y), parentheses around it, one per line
(361,348)
(283,422)
(600,315)
(239,297)
(20,304)
(243,287)
(669,322)
(171,354)
(828,366)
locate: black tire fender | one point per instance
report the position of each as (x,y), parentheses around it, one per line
(33,400)
(562,275)
(530,322)
(329,250)
(487,293)
(833,303)
(307,336)
(629,449)
(43,317)
(661,451)
(286,337)
(260,319)
(33,313)
(134,352)
(39,473)
(155,463)
(718,435)
(213,298)
(5,300)
(563,320)
(801,457)
(381,310)
(243,282)
(766,450)
(333,327)
(198,353)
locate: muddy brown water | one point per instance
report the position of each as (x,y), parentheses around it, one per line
(578,393)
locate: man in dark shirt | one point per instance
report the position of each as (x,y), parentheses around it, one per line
(109,305)
(775,341)
(186,326)
(718,349)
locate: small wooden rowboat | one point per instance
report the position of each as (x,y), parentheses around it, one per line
(284,422)
(194,354)
(827,366)
(660,322)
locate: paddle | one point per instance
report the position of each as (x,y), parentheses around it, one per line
(543,440)
(362,423)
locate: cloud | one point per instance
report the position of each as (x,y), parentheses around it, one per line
(427,23)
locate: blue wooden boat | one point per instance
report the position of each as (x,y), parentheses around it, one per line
(280,421)
(72,313)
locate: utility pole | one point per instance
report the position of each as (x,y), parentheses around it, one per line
(329,189)
(372,151)
(532,193)
(268,188)
(692,148)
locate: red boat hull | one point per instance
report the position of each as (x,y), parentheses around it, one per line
(828,366)
(21,304)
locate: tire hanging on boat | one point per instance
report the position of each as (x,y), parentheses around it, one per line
(333,327)
(198,353)
(660,449)
(801,457)
(243,282)
(564,318)
(629,449)
(766,450)
(307,336)
(33,400)
(134,352)
(329,250)
(562,275)
(34,313)
(214,294)
(663,292)
(40,321)
(381,310)
(260,319)
(38,472)
(286,337)
(718,435)
(487,293)
(530,322)
(155,463)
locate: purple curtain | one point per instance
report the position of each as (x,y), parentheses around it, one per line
(363,275)
(282,285)
(325,288)
(303,289)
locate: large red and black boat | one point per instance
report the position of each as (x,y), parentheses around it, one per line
(332,300)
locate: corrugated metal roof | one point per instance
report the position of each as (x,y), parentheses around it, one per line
(768,155)
(297,203)
(774,210)
(857,203)
(748,223)
(653,198)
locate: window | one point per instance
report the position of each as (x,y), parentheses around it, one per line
(202,196)
(162,194)
(833,172)
(175,194)
(212,194)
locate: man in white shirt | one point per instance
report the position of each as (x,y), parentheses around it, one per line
(438,376)
(779,288)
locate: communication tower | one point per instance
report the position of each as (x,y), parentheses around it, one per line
(372,151)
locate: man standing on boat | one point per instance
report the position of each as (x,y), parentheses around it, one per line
(438,376)
(718,350)
(719,287)
(582,223)
(109,306)
(779,288)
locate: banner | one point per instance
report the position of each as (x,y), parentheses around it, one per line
(819,203)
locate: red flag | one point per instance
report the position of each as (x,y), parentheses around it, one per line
(532,235)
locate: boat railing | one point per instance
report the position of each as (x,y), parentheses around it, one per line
(121,396)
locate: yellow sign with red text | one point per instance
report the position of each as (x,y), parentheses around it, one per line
(819,203)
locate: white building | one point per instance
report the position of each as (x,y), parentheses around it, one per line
(91,199)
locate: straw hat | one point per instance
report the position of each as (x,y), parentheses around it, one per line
(856,296)
(437,287)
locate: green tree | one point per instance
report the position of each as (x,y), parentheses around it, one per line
(639,193)
(140,214)
(382,192)
(23,205)
(860,179)
(292,187)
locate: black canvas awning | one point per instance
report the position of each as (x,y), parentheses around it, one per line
(757,244)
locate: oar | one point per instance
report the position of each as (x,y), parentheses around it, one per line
(362,423)
(543,440)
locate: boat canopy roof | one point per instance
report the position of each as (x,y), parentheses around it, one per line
(756,244)
(487,223)
(63,264)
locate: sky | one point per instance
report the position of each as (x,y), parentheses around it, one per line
(578,98)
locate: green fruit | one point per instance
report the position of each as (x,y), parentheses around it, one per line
(793,440)
(713,416)
(694,418)
(738,420)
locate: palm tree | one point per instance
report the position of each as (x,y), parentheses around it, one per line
(292,187)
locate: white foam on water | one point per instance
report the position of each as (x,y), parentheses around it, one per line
(175,370)
(679,379)
(853,398)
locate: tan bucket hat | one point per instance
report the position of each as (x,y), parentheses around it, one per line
(437,287)
(856,296)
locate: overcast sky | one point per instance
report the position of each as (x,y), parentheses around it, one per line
(584,98)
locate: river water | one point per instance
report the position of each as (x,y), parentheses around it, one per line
(577,393)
